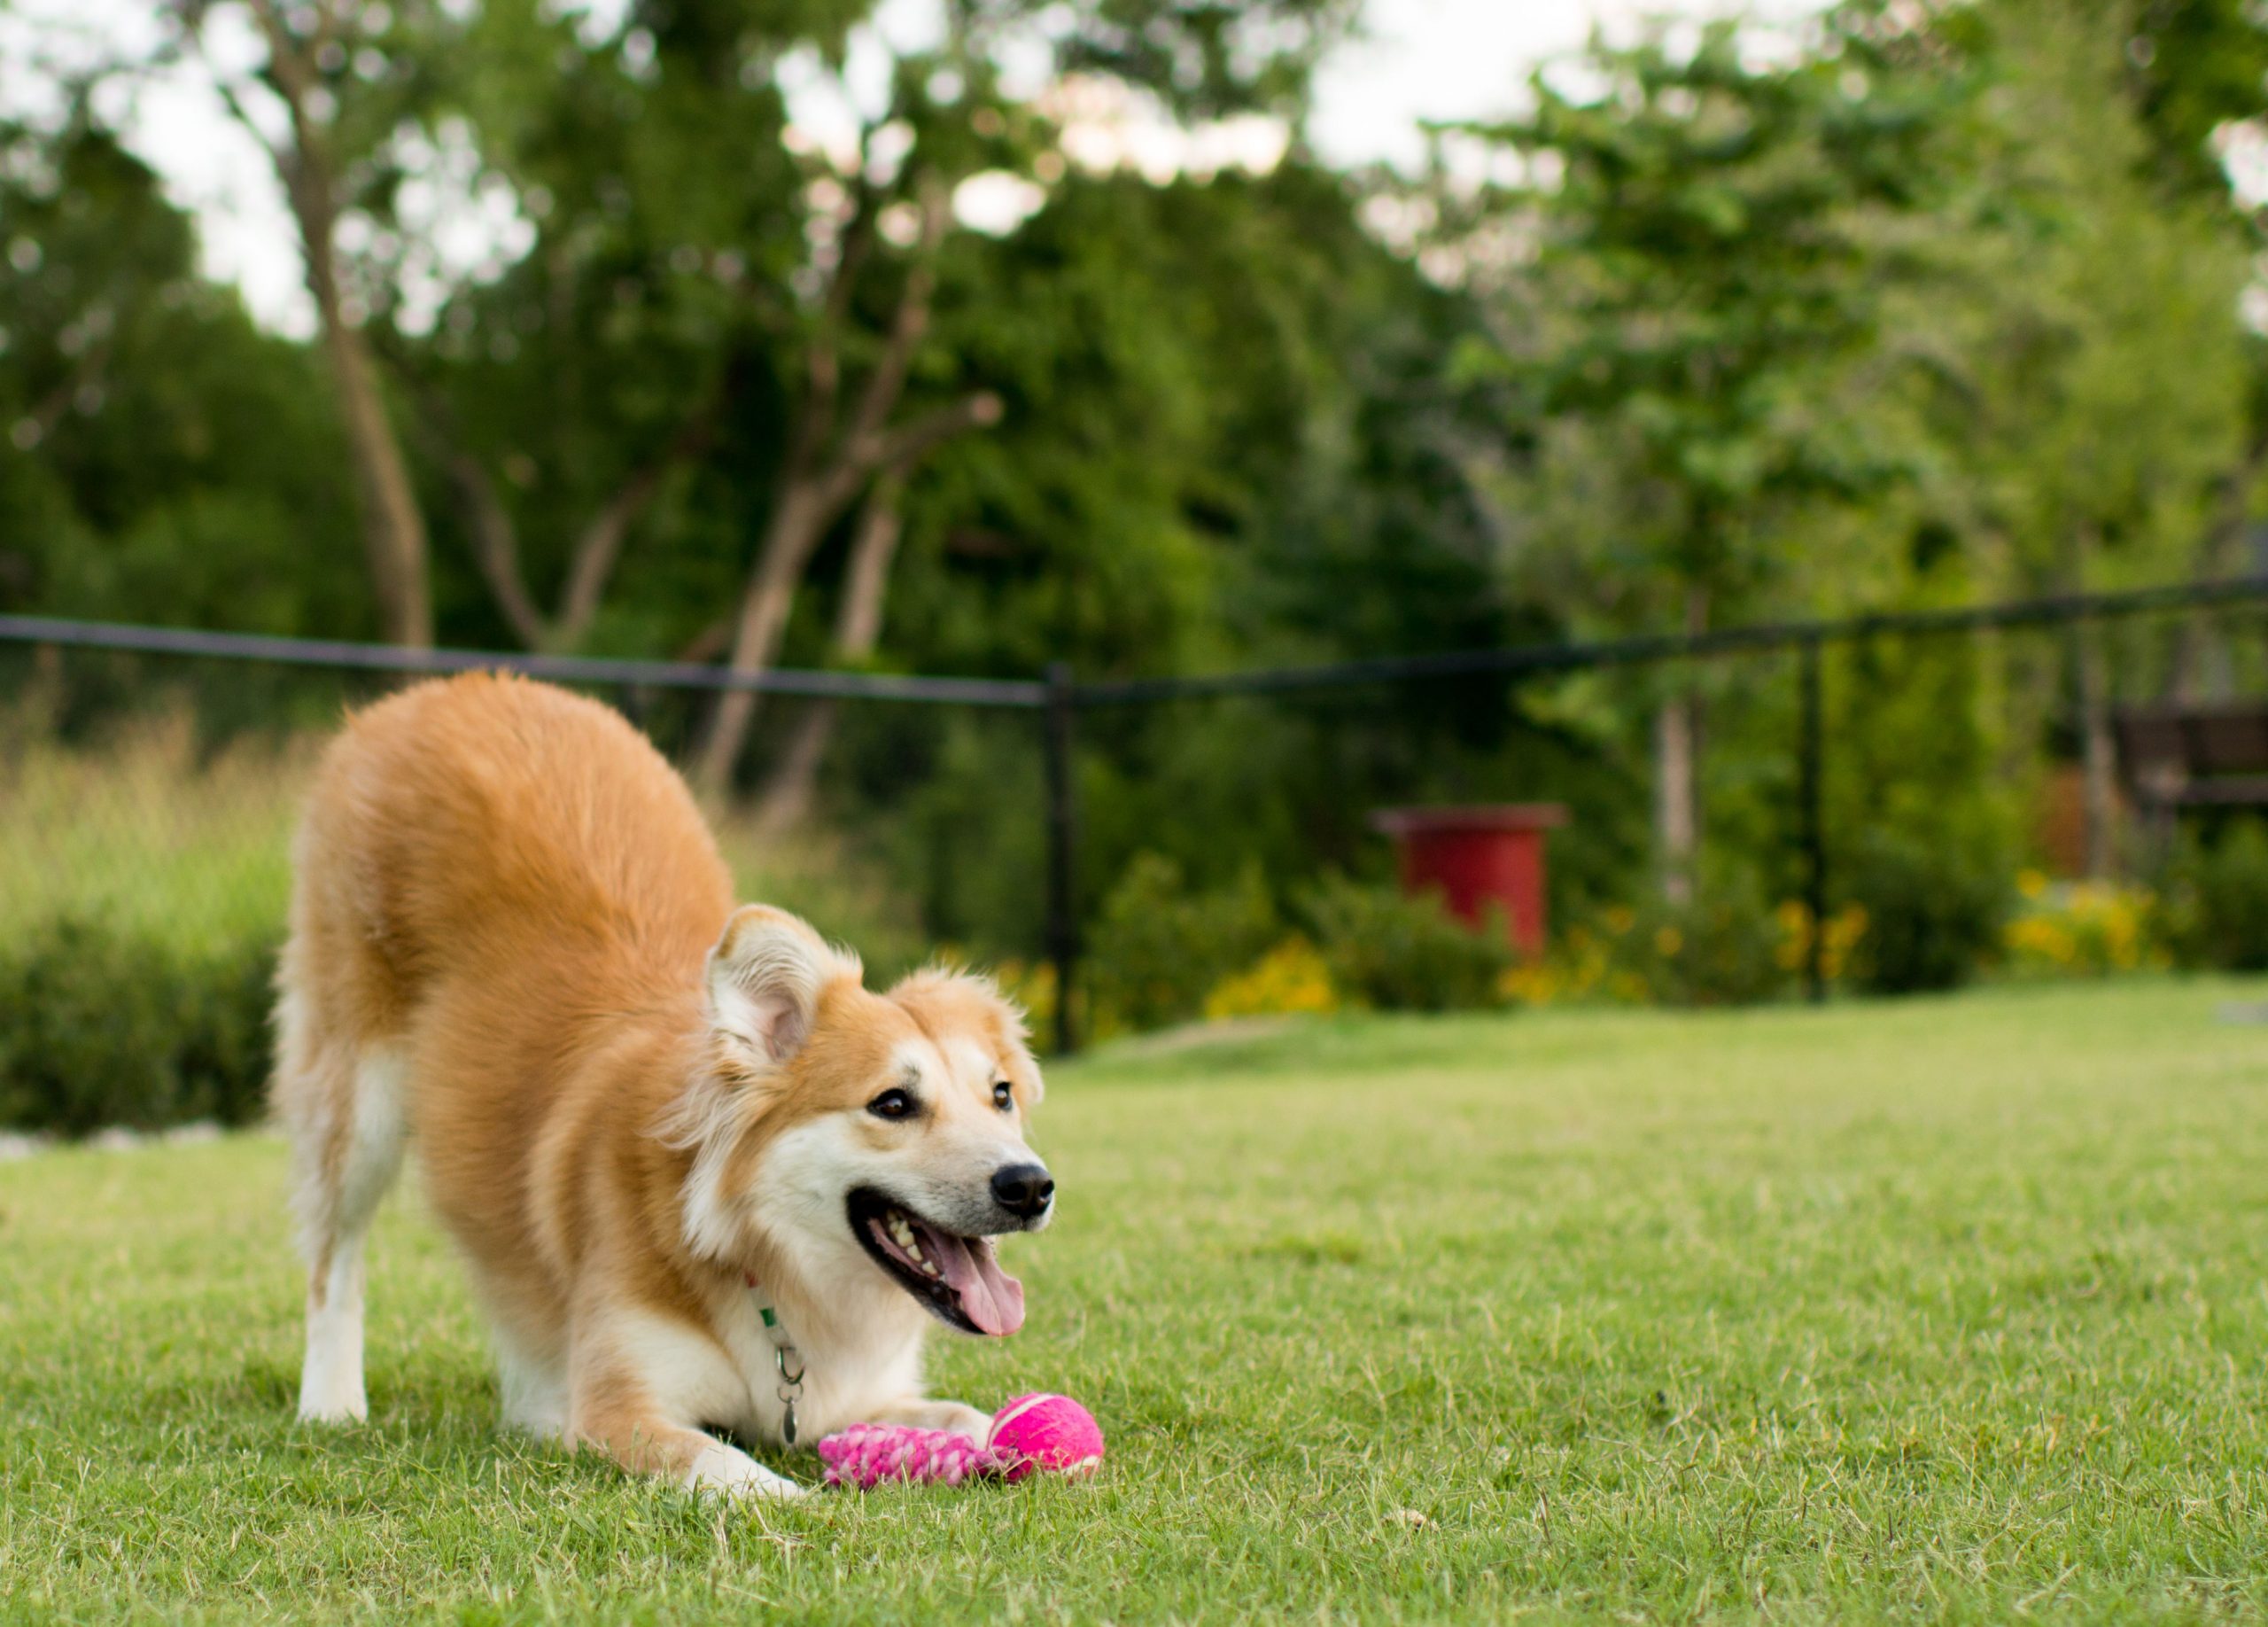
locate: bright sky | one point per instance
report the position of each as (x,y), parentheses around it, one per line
(1463,59)
(1419,60)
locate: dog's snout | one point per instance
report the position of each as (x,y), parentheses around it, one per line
(1023,1189)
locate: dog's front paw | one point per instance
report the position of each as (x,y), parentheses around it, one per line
(957,1416)
(722,1470)
(963,1419)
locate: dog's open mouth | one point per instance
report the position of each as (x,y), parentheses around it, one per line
(957,1277)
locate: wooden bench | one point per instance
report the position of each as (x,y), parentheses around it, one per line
(2174,758)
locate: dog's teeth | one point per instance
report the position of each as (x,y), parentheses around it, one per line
(901,1232)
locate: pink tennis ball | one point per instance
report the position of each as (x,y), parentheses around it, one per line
(1044,1432)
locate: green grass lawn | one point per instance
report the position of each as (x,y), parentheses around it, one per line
(1952,1309)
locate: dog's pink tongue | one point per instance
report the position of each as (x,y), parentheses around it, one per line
(991,1298)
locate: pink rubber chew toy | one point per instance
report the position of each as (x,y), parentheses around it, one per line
(1031,1434)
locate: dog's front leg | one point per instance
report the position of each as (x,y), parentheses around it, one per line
(919,1412)
(622,1421)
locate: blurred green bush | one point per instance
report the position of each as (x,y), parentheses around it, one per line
(1162,949)
(103,1025)
(1723,948)
(1395,952)
(1936,913)
(2217,901)
(1159,947)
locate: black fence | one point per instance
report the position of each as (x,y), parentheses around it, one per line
(1059,708)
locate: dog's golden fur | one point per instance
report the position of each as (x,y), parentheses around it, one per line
(513,943)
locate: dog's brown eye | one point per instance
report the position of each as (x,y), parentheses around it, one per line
(1004,1095)
(891,1104)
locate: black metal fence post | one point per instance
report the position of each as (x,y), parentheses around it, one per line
(1810,794)
(1062,844)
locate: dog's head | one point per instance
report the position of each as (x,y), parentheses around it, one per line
(836,1130)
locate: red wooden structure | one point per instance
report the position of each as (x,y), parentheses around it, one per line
(1475,857)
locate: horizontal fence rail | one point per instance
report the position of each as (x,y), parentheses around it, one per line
(1752,640)
(1033,694)
(1007,692)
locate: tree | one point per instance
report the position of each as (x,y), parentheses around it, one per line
(2192,69)
(787,793)
(793,290)
(2095,362)
(2198,72)
(839,445)
(1227,442)
(560,397)
(1693,244)
(162,463)
(948,110)
(325,102)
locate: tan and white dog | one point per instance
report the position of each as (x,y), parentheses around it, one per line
(647,1117)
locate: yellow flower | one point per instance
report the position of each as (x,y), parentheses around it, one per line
(2093,930)
(1031,986)
(1289,978)
(1531,983)
(2031,883)
(1668,941)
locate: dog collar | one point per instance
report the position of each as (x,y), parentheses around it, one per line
(785,1354)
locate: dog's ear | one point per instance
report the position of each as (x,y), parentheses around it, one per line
(765,979)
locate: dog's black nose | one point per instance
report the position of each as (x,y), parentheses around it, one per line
(1023,1188)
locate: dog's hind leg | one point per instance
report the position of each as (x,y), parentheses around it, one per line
(342,1104)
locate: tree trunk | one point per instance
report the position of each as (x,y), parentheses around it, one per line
(1677,777)
(2098,793)
(1673,822)
(826,466)
(393,530)
(2098,789)
(858,629)
(796,527)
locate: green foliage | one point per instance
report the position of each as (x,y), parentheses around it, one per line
(1723,948)
(1935,913)
(1708,247)
(2079,394)
(1919,815)
(167,461)
(956,823)
(1158,947)
(1396,953)
(2217,899)
(107,1027)
(2195,67)
(1933,305)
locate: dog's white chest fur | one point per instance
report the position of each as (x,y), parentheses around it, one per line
(843,1379)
